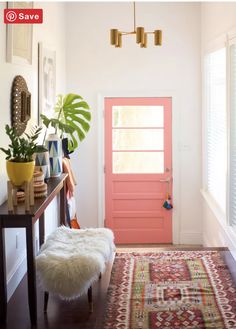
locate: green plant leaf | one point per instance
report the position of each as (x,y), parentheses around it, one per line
(70,98)
(79,131)
(85,114)
(77,105)
(46,121)
(72,143)
(84,124)
(75,114)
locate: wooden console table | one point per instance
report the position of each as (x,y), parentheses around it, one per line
(19,218)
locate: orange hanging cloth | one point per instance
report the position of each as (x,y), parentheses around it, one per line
(70,188)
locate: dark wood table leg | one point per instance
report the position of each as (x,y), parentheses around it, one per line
(41,230)
(63,204)
(90,299)
(31,272)
(3,288)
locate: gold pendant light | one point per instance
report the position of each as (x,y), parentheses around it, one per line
(141,35)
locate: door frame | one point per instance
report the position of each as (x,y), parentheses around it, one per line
(176,156)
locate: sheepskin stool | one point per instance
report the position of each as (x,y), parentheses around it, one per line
(72,259)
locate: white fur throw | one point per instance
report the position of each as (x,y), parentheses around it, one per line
(71,260)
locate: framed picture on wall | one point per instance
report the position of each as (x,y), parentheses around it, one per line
(47,80)
(19,38)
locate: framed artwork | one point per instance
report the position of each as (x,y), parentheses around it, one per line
(47,80)
(19,38)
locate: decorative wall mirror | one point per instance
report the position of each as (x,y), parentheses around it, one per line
(20,104)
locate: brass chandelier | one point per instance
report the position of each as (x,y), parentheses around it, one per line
(141,35)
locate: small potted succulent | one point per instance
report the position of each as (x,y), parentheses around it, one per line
(19,155)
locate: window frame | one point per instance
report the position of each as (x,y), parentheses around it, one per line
(217,44)
(225,40)
(231,40)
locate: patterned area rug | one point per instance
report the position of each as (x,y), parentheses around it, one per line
(170,289)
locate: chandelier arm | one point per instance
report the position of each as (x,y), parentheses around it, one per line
(127,33)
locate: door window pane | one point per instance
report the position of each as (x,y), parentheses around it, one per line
(137,116)
(138,162)
(138,139)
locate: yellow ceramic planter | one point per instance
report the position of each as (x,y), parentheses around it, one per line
(20,172)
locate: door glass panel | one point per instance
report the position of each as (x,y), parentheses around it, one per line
(138,139)
(137,116)
(138,162)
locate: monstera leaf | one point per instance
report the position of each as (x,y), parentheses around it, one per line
(72,118)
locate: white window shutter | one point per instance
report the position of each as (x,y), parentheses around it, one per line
(232,181)
(216,126)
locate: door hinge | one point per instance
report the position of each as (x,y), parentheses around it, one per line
(104,169)
(105,222)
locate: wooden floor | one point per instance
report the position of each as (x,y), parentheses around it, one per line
(75,314)
(60,314)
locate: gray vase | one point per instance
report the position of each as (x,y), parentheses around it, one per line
(42,162)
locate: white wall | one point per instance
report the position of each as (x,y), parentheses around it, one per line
(93,66)
(216,19)
(51,33)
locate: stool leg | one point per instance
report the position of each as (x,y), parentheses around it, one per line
(46,296)
(90,299)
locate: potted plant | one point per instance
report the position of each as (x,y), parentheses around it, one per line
(72,116)
(19,155)
(71,119)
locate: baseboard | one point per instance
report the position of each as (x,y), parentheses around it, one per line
(15,276)
(189,237)
(206,242)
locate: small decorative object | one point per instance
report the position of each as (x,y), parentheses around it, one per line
(20,104)
(38,177)
(54,146)
(65,149)
(20,195)
(167,204)
(42,161)
(20,163)
(40,188)
(72,118)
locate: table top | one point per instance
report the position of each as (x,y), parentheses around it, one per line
(54,184)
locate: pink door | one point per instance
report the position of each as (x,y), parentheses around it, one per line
(138,169)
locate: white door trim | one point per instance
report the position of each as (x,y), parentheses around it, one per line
(176,156)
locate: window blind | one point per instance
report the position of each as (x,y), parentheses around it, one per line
(232,183)
(216,126)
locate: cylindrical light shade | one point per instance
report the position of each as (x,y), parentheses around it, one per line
(140,35)
(157,37)
(119,43)
(144,44)
(114,37)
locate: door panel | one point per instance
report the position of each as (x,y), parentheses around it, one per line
(138,161)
